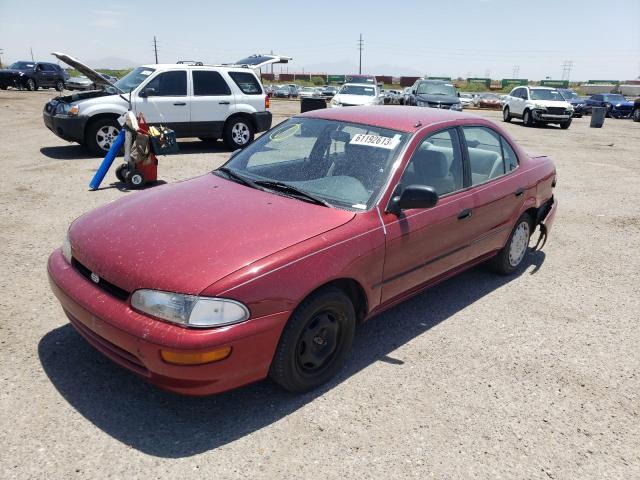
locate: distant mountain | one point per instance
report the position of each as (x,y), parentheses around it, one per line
(113,63)
(346,67)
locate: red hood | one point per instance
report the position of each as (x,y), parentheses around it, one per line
(185,236)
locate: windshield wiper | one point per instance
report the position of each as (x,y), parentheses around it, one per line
(238,178)
(293,191)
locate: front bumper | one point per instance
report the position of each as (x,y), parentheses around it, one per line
(543,116)
(67,128)
(263,121)
(134,341)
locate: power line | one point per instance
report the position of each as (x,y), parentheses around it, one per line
(360,47)
(566,69)
(516,71)
(155,47)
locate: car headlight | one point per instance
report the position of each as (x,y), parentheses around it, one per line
(457,107)
(66,247)
(334,102)
(67,110)
(189,310)
(618,105)
(539,106)
(420,103)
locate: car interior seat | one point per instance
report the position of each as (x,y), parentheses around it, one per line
(430,168)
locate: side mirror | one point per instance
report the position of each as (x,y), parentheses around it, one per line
(413,196)
(148,92)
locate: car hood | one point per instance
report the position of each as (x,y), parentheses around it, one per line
(11,72)
(186,236)
(354,99)
(445,99)
(84,96)
(552,103)
(87,71)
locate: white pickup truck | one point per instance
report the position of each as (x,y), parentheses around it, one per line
(537,105)
(195,100)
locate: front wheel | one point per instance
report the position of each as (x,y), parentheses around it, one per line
(31,85)
(510,258)
(565,125)
(133,179)
(315,342)
(506,115)
(238,133)
(636,115)
(101,134)
(527,118)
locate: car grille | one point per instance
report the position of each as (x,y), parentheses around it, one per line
(110,288)
(555,110)
(444,106)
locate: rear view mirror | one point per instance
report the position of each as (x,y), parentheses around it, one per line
(413,196)
(340,136)
(148,92)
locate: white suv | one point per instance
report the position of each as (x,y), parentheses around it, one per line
(194,100)
(537,105)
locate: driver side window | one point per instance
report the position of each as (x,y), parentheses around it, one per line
(437,163)
(169,84)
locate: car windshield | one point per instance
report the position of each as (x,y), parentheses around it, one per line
(568,94)
(546,94)
(134,78)
(345,165)
(614,98)
(356,79)
(357,90)
(436,89)
(22,65)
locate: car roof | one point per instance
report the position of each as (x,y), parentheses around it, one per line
(543,88)
(182,66)
(395,117)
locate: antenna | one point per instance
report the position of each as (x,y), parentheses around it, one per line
(155,47)
(360,47)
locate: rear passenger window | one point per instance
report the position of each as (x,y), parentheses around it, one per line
(170,84)
(209,83)
(490,155)
(247,82)
(436,163)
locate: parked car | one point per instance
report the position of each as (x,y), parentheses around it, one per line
(282,91)
(329,91)
(434,94)
(466,100)
(617,105)
(368,79)
(575,100)
(33,75)
(636,110)
(356,94)
(82,82)
(307,92)
(538,105)
(293,90)
(194,100)
(386,201)
(489,100)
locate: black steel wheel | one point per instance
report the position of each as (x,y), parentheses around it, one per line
(527,118)
(315,342)
(121,172)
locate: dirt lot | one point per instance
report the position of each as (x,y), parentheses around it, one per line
(535,376)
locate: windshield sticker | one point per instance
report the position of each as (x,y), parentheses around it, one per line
(281,135)
(146,72)
(359,206)
(375,141)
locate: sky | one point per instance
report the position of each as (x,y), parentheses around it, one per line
(476,38)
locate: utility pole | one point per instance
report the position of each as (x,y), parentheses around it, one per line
(272,67)
(567,65)
(31,50)
(155,47)
(360,46)
(516,71)
(1,53)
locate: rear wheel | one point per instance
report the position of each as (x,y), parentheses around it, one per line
(527,118)
(636,115)
(238,133)
(31,85)
(101,134)
(510,258)
(315,342)
(506,115)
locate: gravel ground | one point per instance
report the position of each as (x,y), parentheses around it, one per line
(534,376)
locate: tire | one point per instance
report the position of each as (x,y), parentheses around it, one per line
(3,87)
(510,258)
(121,172)
(316,341)
(100,134)
(527,118)
(59,85)
(636,115)
(565,125)
(506,116)
(31,85)
(238,133)
(134,179)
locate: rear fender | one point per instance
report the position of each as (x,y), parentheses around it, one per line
(545,218)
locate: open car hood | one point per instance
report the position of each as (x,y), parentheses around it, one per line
(88,72)
(258,60)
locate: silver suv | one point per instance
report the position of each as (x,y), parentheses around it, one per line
(537,105)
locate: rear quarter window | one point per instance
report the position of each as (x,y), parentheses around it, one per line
(247,82)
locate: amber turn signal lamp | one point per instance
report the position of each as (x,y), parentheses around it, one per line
(190,358)
(267,102)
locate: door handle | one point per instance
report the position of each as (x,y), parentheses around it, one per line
(519,192)
(466,213)
(224,103)
(180,104)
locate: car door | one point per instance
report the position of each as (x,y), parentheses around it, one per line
(164,100)
(211,103)
(498,189)
(519,101)
(422,244)
(43,75)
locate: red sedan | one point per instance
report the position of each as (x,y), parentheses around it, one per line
(264,266)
